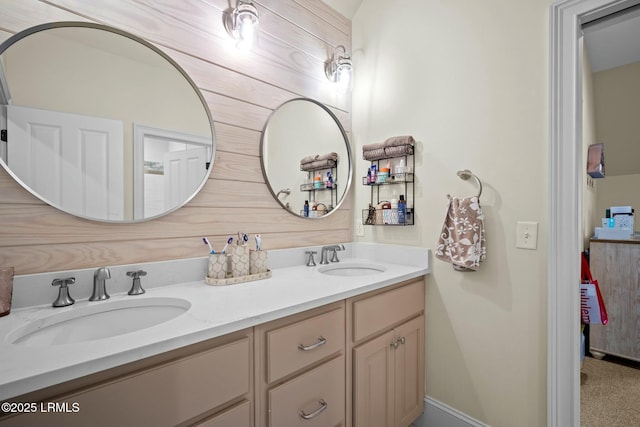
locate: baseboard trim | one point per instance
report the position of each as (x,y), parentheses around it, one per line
(438,414)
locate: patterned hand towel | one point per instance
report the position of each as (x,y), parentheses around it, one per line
(462,241)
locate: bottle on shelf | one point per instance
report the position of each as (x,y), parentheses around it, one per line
(394,210)
(402,210)
(306,208)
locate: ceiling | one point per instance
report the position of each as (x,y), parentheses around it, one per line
(613,41)
(347,8)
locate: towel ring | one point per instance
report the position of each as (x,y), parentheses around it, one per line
(465,174)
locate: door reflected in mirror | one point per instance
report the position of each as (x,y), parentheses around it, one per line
(306,158)
(101,124)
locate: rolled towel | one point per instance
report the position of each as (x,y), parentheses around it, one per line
(373,154)
(395,141)
(309,159)
(374,146)
(328,156)
(318,164)
(399,150)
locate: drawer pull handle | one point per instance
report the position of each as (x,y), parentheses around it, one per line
(321,341)
(323,406)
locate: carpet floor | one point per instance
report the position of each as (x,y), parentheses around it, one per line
(609,393)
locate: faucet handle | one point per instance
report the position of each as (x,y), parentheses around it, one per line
(64,299)
(334,251)
(136,274)
(311,262)
(136,287)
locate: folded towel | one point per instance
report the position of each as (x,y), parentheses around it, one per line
(318,164)
(309,159)
(398,150)
(462,241)
(328,156)
(373,154)
(395,141)
(374,146)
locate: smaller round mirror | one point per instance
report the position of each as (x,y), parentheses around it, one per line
(306,158)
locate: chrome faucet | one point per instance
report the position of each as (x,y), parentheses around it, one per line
(99,279)
(334,249)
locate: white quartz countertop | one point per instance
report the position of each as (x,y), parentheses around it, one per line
(214,311)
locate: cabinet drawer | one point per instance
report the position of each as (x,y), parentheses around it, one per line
(388,308)
(300,344)
(166,395)
(318,394)
(238,416)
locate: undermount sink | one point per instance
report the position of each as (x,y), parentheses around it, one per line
(351,269)
(96,321)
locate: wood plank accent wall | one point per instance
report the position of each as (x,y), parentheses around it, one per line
(241,90)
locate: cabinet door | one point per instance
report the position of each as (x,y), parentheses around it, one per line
(409,371)
(373,382)
(616,267)
(166,395)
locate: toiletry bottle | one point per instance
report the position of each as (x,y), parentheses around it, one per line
(400,168)
(374,175)
(394,210)
(329,182)
(306,208)
(369,176)
(402,210)
(317,182)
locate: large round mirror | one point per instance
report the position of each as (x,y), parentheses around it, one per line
(100,123)
(306,158)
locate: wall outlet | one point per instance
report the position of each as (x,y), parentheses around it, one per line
(527,235)
(359,229)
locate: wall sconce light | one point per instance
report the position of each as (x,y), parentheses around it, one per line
(241,23)
(338,67)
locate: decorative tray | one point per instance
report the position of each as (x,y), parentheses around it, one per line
(235,280)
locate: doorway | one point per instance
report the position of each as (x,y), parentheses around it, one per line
(565,203)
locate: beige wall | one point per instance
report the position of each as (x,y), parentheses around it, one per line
(241,90)
(618,191)
(468,80)
(617,102)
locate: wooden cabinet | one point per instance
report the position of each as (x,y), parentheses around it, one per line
(212,387)
(388,357)
(300,369)
(616,267)
(356,362)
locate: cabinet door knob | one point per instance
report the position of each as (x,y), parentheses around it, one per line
(323,406)
(321,341)
(402,340)
(394,344)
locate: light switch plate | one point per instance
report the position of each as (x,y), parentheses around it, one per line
(527,235)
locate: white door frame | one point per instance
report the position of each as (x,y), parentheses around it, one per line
(566,172)
(140,132)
